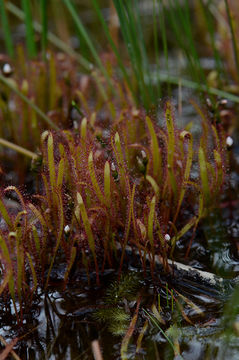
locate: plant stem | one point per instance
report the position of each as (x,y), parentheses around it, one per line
(18,148)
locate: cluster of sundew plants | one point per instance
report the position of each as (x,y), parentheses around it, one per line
(103,187)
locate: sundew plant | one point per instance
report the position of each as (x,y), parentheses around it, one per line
(107,186)
(112,176)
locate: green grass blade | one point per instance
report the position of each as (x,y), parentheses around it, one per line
(179,17)
(155,322)
(162,26)
(18,148)
(156,45)
(128,28)
(6,30)
(31,46)
(212,33)
(139,36)
(44,27)
(112,44)
(176,80)
(82,30)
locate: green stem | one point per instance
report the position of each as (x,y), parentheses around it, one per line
(18,148)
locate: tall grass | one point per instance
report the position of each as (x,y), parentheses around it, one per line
(30,40)
(6,30)
(172,25)
(44,27)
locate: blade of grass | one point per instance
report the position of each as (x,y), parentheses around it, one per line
(18,148)
(6,30)
(179,16)
(156,45)
(88,40)
(164,37)
(44,28)
(112,44)
(212,33)
(31,46)
(175,80)
(138,33)
(128,28)
(155,322)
